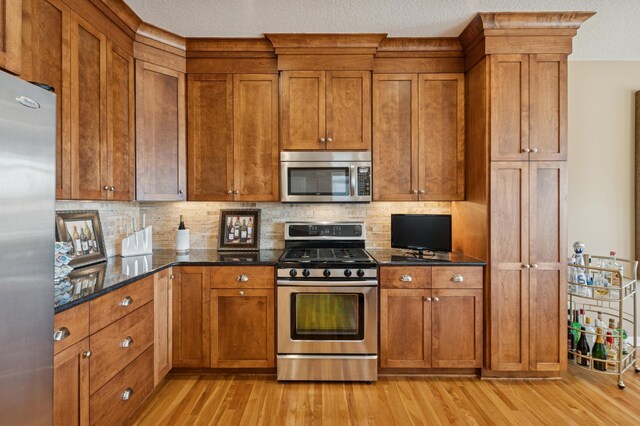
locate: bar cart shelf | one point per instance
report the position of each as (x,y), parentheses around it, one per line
(610,301)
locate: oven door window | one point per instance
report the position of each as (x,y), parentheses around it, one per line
(327,316)
(318,181)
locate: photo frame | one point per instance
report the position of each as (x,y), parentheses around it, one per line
(239,230)
(83,230)
(79,283)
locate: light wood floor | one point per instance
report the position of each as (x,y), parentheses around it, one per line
(579,398)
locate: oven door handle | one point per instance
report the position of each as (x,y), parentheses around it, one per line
(327,283)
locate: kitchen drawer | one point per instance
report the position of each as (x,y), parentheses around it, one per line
(405,277)
(70,327)
(457,276)
(109,353)
(113,306)
(242,277)
(110,406)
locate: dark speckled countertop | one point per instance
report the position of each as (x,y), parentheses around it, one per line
(87,283)
(402,257)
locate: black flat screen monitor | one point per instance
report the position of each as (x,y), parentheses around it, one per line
(420,232)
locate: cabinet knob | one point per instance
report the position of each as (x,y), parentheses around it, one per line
(112,189)
(329,140)
(128,341)
(181,191)
(415,191)
(436,299)
(86,354)
(229,192)
(126,301)
(127,394)
(242,278)
(526,150)
(526,266)
(235,191)
(171,276)
(457,278)
(241,293)
(322,140)
(534,150)
(422,191)
(406,278)
(106,187)
(534,266)
(428,299)
(61,334)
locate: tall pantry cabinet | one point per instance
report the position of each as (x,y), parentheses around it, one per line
(516,144)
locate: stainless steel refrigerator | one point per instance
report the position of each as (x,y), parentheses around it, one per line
(27,223)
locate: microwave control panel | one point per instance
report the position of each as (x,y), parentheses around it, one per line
(364,181)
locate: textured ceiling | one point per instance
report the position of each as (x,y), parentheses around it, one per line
(612,34)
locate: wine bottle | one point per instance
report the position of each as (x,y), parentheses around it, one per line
(84,241)
(236,229)
(576,327)
(583,350)
(181,226)
(600,352)
(570,340)
(70,241)
(230,229)
(77,244)
(591,338)
(89,236)
(250,230)
(243,231)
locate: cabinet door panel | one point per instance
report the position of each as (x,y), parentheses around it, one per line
(509,105)
(121,124)
(242,323)
(441,124)
(71,386)
(405,328)
(191,317)
(548,121)
(509,279)
(456,340)
(210,135)
(160,133)
(88,111)
(47,35)
(349,110)
(255,138)
(11,35)
(395,137)
(303,110)
(548,242)
(162,318)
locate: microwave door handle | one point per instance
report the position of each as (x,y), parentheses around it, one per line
(353,178)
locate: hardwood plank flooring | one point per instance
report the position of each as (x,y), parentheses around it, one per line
(579,398)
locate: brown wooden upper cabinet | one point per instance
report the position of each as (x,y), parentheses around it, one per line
(160,133)
(528,274)
(326,110)
(11,35)
(528,107)
(233,137)
(418,137)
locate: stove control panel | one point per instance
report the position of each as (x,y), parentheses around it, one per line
(328,273)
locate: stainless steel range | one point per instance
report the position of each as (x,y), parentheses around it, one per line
(327,304)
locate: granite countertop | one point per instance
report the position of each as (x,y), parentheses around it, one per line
(90,282)
(402,257)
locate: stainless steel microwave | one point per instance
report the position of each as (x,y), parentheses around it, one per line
(325,177)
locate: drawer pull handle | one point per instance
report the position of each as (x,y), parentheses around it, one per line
(126,301)
(127,394)
(61,334)
(241,293)
(86,354)
(457,278)
(242,278)
(406,278)
(128,341)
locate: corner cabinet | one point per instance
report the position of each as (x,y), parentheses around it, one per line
(430,317)
(326,110)
(11,35)
(418,137)
(233,137)
(528,276)
(160,133)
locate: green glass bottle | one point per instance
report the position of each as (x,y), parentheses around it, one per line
(600,352)
(583,350)
(576,328)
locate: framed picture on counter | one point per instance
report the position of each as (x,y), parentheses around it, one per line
(82,229)
(239,230)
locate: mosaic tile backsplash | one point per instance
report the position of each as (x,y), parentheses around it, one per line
(202,218)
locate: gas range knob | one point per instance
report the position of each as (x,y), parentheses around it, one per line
(360,273)
(347,273)
(306,272)
(293,273)
(327,273)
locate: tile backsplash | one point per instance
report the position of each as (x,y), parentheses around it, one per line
(203,219)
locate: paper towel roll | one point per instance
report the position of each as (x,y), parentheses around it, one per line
(182,241)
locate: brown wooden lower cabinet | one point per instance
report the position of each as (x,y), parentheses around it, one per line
(162,318)
(71,385)
(430,328)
